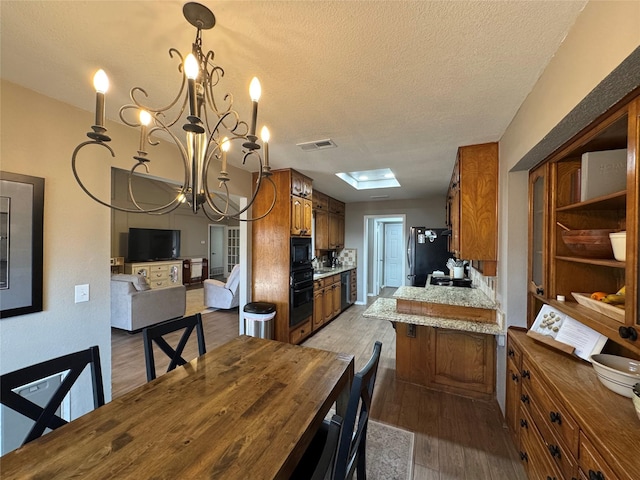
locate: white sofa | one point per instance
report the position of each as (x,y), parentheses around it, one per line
(134,305)
(223,295)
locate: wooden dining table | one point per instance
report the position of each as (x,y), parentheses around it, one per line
(245,410)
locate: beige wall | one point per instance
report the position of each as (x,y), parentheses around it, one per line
(604,34)
(76,238)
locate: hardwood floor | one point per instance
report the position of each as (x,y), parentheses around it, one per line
(456,437)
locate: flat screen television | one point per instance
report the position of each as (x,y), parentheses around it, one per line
(152,244)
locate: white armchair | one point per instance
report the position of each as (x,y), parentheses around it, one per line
(134,305)
(223,295)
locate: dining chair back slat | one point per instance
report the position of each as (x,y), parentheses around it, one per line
(156,334)
(338,449)
(46,417)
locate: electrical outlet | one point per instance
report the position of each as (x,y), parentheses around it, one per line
(82,293)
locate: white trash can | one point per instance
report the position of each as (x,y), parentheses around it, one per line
(258,319)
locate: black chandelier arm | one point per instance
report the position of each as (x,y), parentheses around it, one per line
(205,180)
(273,202)
(162,210)
(236,215)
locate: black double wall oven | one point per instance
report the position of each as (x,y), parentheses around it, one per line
(301,281)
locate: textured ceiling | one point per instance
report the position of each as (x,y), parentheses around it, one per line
(397,84)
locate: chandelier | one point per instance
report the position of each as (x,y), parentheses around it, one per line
(211,127)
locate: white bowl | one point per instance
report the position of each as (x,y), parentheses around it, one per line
(619,245)
(636,399)
(617,373)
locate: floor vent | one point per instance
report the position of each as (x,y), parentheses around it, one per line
(317,145)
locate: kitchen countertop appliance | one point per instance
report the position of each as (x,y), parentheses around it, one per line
(427,250)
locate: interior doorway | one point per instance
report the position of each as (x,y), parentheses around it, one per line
(216,251)
(384,264)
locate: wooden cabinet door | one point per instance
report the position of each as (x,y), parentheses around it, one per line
(328,303)
(321,231)
(296,184)
(297,216)
(453,210)
(538,271)
(478,200)
(307,216)
(337,298)
(336,231)
(318,312)
(463,360)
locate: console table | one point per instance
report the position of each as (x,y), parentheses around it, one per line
(159,274)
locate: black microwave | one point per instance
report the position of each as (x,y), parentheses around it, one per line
(300,253)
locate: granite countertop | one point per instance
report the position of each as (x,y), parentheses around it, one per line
(385,309)
(328,271)
(460,296)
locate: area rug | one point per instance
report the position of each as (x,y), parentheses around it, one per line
(389,452)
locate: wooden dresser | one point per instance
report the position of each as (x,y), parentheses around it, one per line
(159,274)
(564,422)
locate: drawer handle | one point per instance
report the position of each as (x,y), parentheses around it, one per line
(525,398)
(514,377)
(555,417)
(551,478)
(540,290)
(524,457)
(511,353)
(526,374)
(596,475)
(523,423)
(554,450)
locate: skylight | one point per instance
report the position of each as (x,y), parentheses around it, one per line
(368,179)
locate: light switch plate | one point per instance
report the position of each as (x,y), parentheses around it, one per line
(82,293)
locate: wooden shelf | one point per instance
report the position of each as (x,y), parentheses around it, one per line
(614,201)
(603,262)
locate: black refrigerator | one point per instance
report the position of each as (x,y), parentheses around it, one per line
(427,250)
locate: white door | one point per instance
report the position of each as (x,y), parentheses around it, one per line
(393,254)
(216,250)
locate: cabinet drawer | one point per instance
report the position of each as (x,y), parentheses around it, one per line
(299,333)
(556,450)
(158,282)
(532,451)
(592,463)
(318,284)
(159,268)
(515,355)
(554,414)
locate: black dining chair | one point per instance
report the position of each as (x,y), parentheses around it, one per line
(156,333)
(339,448)
(46,417)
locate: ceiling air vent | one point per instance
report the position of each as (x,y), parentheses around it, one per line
(317,145)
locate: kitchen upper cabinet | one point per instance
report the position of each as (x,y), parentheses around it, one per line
(336,231)
(329,225)
(556,203)
(472,206)
(301,209)
(301,186)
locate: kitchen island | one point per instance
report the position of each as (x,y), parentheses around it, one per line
(455,355)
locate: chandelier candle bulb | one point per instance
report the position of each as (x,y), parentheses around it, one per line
(191,71)
(225,148)
(254,92)
(265,135)
(101,84)
(145,119)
